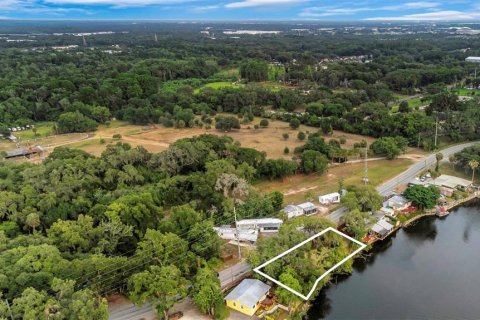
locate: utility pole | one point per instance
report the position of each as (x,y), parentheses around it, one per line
(156,38)
(365,177)
(237,234)
(436,133)
(84,41)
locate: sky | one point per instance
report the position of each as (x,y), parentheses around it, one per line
(331,10)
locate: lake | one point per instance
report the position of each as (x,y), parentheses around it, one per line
(428,271)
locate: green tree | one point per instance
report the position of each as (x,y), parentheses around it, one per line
(264,123)
(403,107)
(357,223)
(473,164)
(438,157)
(290,279)
(159,285)
(206,291)
(423,197)
(75,122)
(301,136)
(227,123)
(313,161)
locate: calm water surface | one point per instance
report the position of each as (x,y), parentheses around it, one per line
(428,271)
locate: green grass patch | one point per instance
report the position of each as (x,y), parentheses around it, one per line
(452,170)
(466,92)
(43,129)
(218,85)
(412,103)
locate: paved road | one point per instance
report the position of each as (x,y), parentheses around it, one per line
(403,178)
(233,273)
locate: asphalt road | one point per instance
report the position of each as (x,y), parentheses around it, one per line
(233,273)
(406,176)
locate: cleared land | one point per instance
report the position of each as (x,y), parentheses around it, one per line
(301,187)
(158,138)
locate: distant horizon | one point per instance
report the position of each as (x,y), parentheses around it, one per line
(242,10)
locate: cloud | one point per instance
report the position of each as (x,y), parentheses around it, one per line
(115,3)
(261,3)
(345,9)
(203,9)
(446,15)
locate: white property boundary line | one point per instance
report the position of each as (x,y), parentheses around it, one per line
(257,269)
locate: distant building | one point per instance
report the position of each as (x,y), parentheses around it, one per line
(246,297)
(293,211)
(262,225)
(24,152)
(329,198)
(308,208)
(473,59)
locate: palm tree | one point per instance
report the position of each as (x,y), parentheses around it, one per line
(473,164)
(439,157)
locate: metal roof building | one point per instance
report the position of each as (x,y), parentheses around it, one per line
(473,59)
(247,296)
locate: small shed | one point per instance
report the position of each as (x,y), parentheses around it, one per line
(330,198)
(247,296)
(308,208)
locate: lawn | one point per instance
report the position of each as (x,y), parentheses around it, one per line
(413,103)
(466,92)
(301,187)
(218,85)
(43,129)
(448,168)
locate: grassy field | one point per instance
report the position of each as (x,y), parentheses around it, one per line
(218,85)
(466,92)
(413,103)
(301,187)
(450,169)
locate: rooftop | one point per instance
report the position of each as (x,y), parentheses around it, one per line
(306,205)
(451,182)
(248,292)
(260,221)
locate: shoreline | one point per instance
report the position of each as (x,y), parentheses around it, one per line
(408,223)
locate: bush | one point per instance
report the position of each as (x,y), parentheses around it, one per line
(117,136)
(286,150)
(343,140)
(301,136)
(286,136)
(264,123)
(294,123)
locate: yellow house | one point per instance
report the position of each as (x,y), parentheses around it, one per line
(246,297)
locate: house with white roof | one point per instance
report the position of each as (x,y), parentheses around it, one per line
(262,225)
(329,198)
